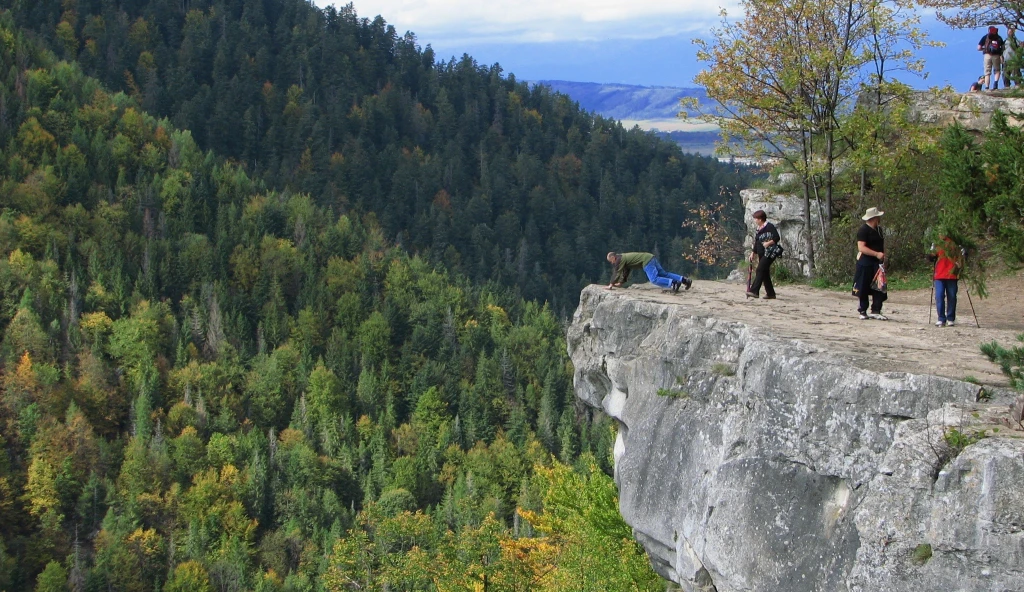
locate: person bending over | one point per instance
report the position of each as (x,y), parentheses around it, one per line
(623,263)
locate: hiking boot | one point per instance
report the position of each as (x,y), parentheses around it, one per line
(687,283)
(862,315)
(751,294)
(675,286)
(950,323)
(767,297)
(878,316)
(940,323)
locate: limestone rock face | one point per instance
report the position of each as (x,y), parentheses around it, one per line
(750,463)
(973,111)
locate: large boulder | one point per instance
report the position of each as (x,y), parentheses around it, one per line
(786,211)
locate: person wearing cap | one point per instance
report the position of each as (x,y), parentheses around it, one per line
(992,46)
(948,262)
(765,237)
(623,263)
(870,255)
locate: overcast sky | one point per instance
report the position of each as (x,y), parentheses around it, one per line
(532,21)
(645,42)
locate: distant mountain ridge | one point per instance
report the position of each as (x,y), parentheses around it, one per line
(626,101)
(653,108)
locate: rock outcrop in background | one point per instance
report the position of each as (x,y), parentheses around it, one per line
(786,211)
(746,461)
(973,111)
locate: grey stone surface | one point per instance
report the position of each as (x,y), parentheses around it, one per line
(967,508)
(787,179)
(786,212)
(973,111)
(750,463)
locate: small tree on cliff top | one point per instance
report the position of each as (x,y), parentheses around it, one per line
(786,75)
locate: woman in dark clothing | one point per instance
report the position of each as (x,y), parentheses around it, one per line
(765,237)
(870,255)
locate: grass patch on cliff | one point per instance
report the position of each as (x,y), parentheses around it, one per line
(922,553)
(957,440)
(673,393)
(723,369)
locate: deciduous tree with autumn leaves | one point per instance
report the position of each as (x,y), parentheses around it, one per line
(787,76)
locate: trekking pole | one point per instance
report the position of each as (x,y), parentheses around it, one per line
(963,254)
(968,290)
(931,298)
(750,272)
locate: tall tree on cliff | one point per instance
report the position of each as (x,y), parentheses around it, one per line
(786,74)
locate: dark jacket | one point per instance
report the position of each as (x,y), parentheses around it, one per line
(765,234)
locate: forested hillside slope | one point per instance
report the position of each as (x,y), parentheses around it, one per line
(208,384)
(466,166)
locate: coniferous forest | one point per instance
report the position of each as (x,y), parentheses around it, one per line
(281,298)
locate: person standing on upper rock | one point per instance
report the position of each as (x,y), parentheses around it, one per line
(992,45)
(766,251)
(870,255)
(623,263)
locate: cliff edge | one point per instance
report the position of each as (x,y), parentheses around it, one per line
(785,445)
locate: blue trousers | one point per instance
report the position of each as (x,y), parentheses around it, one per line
(945,300)
(659,277)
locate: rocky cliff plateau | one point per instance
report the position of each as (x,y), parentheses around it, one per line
(786,446)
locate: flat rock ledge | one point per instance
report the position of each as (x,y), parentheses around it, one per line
(748,460)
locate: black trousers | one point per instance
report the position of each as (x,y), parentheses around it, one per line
(862,287)
(877,298)
(763,276)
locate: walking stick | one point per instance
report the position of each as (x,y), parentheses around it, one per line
(931,298)
(968,290)
(963,254)
(750,272)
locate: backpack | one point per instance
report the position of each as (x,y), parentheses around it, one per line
(993,47)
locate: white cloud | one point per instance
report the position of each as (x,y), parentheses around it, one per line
(481,21)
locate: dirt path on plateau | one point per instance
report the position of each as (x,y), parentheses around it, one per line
(907,342)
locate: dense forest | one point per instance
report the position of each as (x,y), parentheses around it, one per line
(493,178)
(212,385)
(281,301)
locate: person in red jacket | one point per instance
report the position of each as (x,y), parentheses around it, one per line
(948,262)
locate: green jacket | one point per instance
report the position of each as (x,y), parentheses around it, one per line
(628,263)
